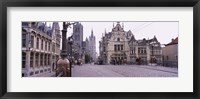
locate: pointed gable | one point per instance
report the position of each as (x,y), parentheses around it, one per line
(118,27)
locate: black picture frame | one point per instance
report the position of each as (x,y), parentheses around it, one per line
(99,3)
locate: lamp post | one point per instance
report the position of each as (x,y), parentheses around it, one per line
(83,55)
(63,66)
(70,42)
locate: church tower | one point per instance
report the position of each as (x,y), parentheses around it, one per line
(77,39)
(92,46)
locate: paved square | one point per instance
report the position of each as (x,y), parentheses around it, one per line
(90,70)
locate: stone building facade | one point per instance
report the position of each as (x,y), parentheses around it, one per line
(92,46)
(40,48)
(77,40)
(121,47)
(170,53)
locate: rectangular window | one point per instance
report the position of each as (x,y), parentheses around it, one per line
(138,50)
(36,60)
(23,59)
(41,60)
(118,47)
(31,60)
(45,60)
(45,46)
(49,60)
(49,46)
(23,40)
(122,47)
(37,43)
(115,47)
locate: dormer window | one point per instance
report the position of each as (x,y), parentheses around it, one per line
(118,39)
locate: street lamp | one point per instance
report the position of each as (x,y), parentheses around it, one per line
(70,39)
(63,64)
(83,54)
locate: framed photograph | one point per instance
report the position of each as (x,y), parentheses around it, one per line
(89,49)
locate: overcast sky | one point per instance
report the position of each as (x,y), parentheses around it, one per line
(164,31)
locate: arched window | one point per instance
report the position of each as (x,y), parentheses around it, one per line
(32,41)
(41,44)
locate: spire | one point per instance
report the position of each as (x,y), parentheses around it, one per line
(37,24)
(86,39)
(45,23)
(105,30)
(123,25)
(45,26)
(113,24)
(155,38)
(92,32)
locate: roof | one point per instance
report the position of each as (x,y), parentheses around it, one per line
(142,42)
(132,38)
(118,27)
(173,42)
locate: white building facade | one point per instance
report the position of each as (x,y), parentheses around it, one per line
(121,47)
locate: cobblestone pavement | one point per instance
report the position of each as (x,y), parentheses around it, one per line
(90,70)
